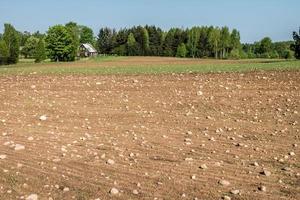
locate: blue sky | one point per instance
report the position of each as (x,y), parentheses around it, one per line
(253,18)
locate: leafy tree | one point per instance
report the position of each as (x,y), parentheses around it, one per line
(214,40)
(11,39)
(59,44)
(235,39)
(224,41)
(4,53)
(86,35)
(193,40)
(29,48)
(40,51)
(181,51)
(296,45)
(265,46)
(74,32)
(131,45)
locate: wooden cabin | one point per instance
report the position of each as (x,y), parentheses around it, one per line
(87,50)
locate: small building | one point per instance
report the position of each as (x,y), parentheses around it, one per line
(87,50)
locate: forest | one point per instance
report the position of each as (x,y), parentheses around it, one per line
(61,42)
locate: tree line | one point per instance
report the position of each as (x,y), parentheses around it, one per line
(61,43)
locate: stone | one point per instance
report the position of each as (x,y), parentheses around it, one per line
(235,192)
(203,166)
(43,118)
(135,192)
(224,182)
(2,157)
(114,191)
(262,188)
(266,173)
(19,147)
(32,197)
(110,162)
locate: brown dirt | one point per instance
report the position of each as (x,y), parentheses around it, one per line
(152,117)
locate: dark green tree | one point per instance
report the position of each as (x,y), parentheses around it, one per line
(106,40)
(11,39)
(296,45)
(40,51)
(4,53)
(59,44)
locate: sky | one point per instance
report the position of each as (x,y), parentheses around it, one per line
(254,19)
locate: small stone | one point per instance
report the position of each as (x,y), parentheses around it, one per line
(66,189)
(224,183)
(199,93)
(203,166)
(135,192)
(32,197)
(193,177)
(262,188)
(266,173)
(2,157)
(19,147)
(226,197)
(110,162)
(292,154)
(114,191)
(30,138)
(235,192)
(43,118)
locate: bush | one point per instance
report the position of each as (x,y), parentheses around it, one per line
(235,54)
(288,54)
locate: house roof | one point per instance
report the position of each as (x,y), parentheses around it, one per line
(90,48)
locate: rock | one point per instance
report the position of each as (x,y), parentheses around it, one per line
(266,173)
(188,159)
(114,191)
(262,188)
(43,118)
(19,147)
(235,192)
(292,154)
(30,138)
(199,93)
(224,183)
(203,166)
(226,197)
(32,197)
(193,177)
(135,192)
(110,162)
(2,157)
(66,189)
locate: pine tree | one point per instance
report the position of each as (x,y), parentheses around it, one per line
(11,39)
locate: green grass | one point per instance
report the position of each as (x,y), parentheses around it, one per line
(92,69)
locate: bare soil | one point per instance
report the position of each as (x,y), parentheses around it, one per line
(159,131)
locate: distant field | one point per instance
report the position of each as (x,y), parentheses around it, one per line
(146,65)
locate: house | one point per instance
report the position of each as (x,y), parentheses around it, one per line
(87,50)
